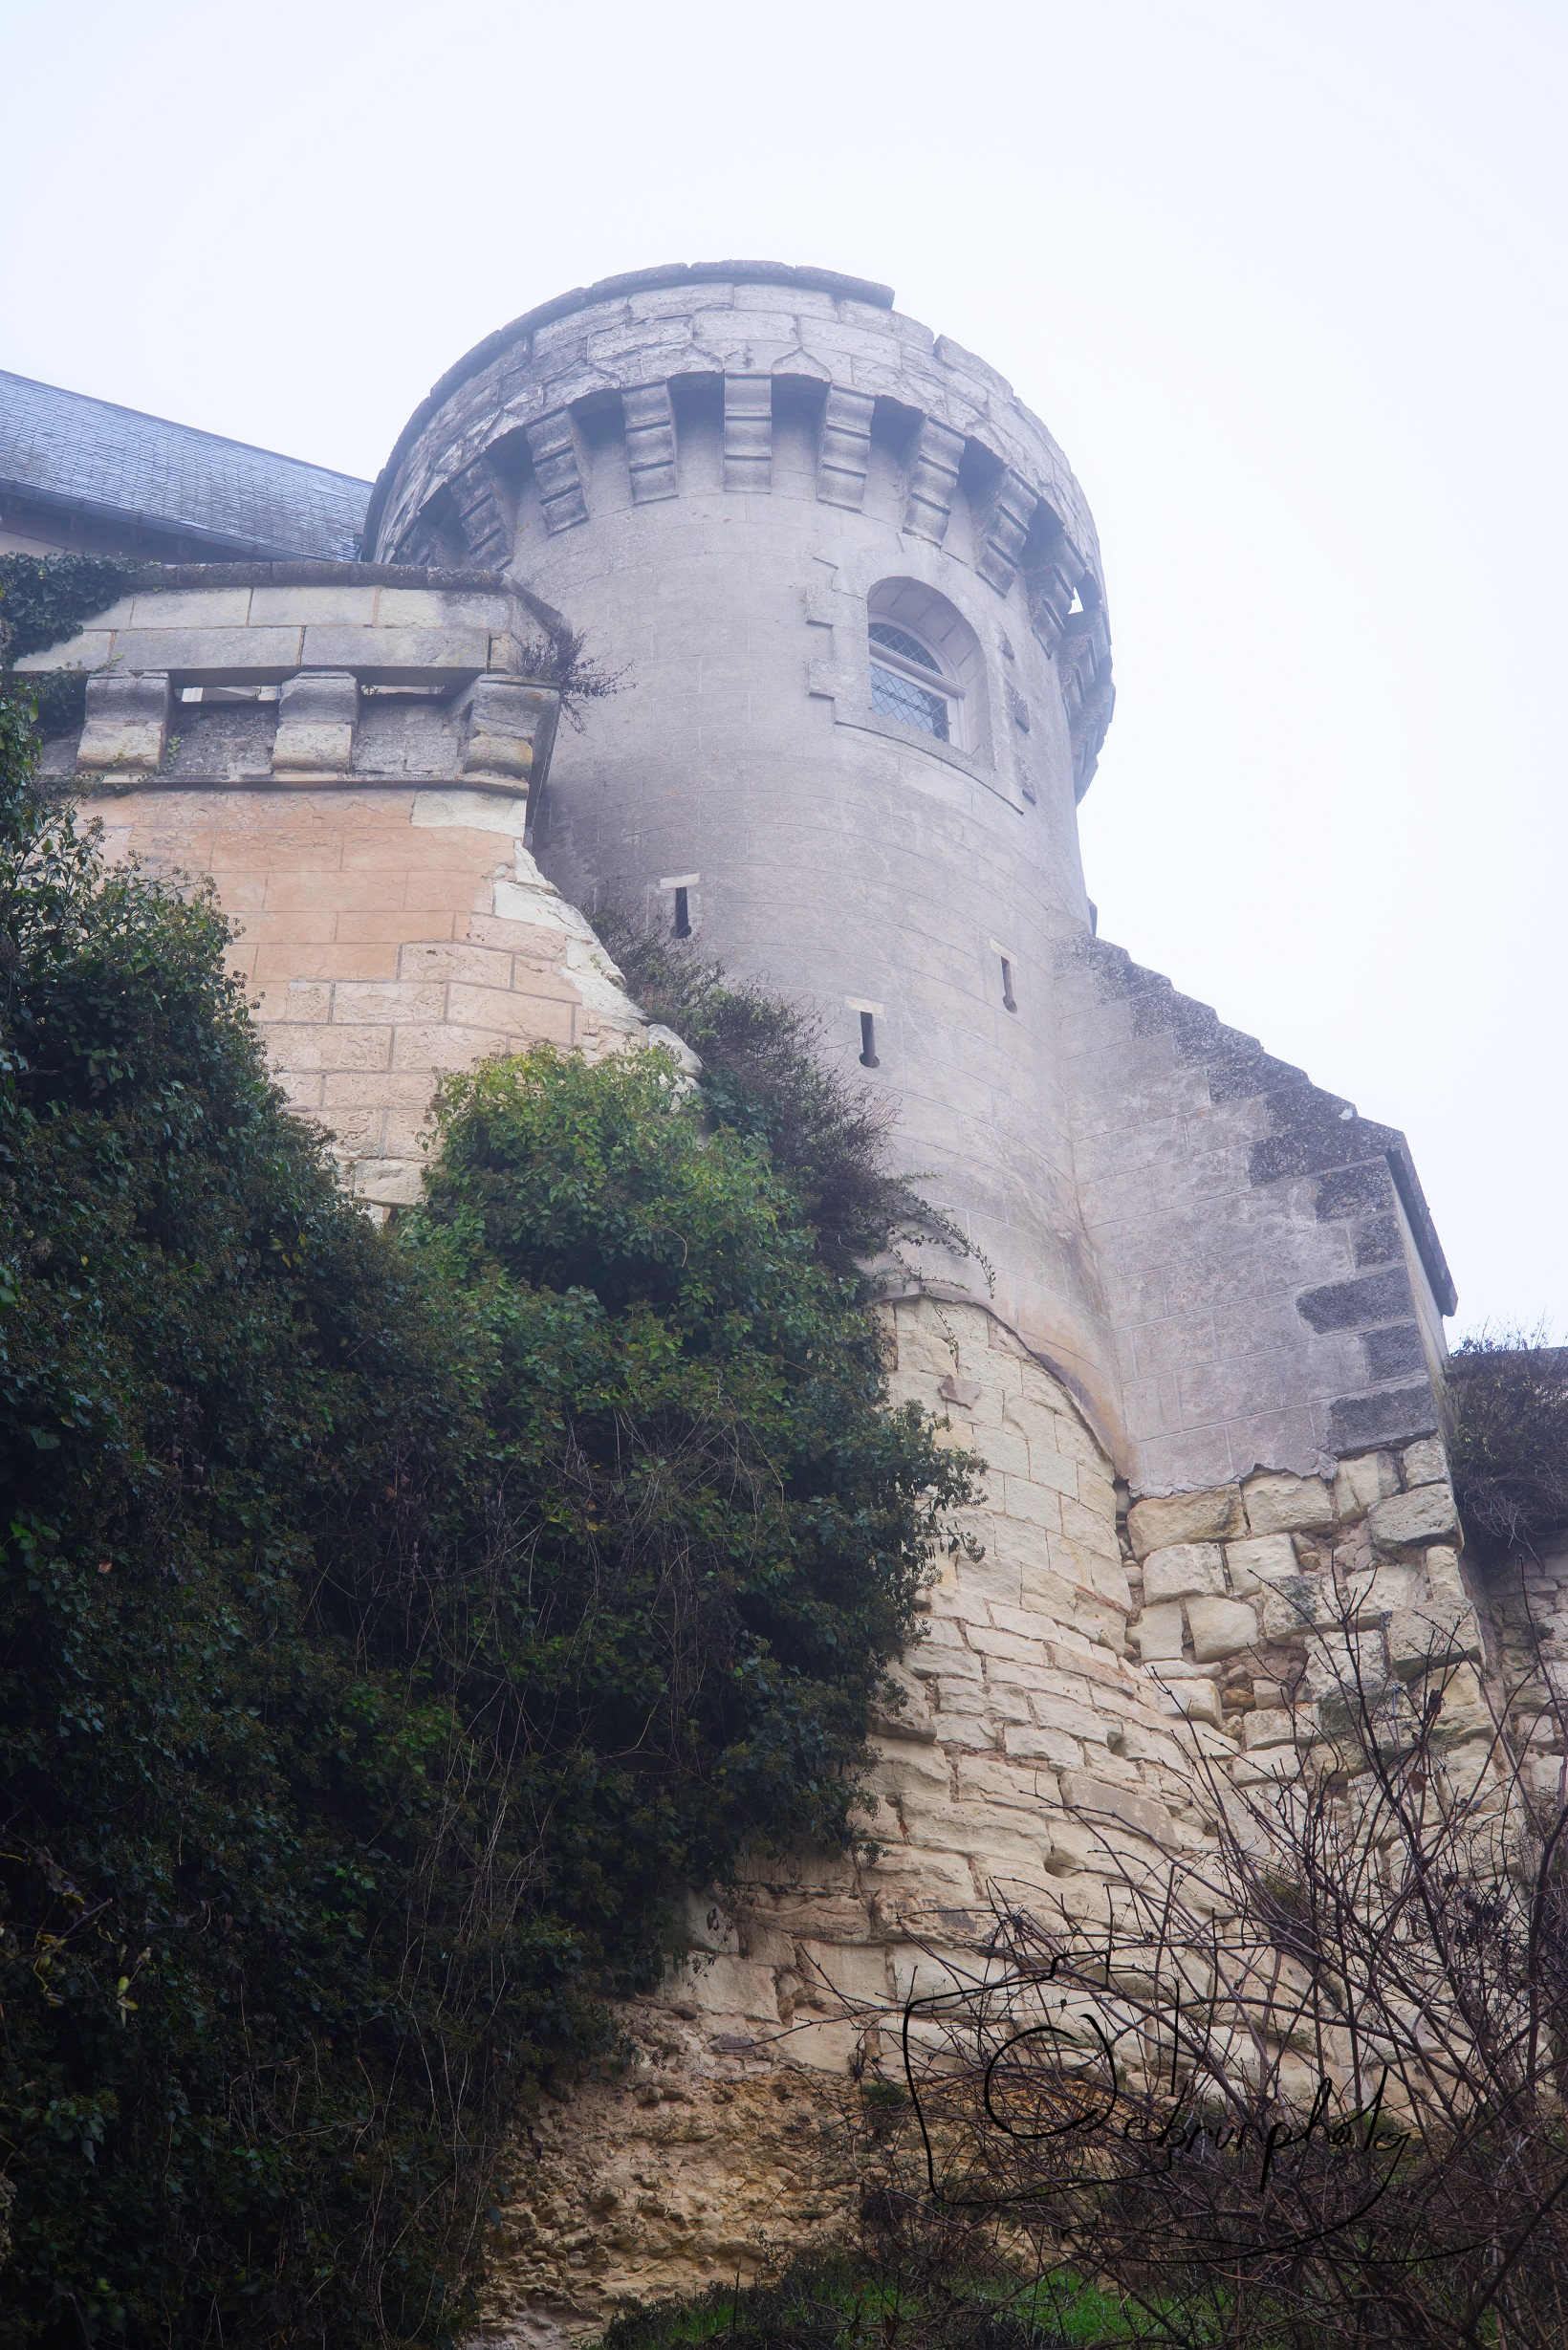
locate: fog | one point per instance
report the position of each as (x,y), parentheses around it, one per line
(1285,280)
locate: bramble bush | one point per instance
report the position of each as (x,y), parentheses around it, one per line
(391,1623)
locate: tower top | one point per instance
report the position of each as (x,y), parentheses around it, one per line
(753,320)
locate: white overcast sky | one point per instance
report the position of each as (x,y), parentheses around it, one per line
(1285,279)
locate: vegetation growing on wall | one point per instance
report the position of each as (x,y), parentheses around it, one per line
(765,1074)
(45,600)
(387,1623)
(1509,1448)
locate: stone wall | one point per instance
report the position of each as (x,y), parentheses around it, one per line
(352,758)
(388,936)
(1084,1688)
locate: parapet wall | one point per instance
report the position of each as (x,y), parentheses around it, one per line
(352,755)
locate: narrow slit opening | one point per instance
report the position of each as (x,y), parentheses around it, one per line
(1009,1002)
(868,1042)
(682,915)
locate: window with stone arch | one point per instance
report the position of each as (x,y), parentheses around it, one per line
(927,670)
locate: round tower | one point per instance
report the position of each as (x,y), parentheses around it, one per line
(855,593)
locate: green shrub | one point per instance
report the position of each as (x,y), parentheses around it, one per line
(388,1623)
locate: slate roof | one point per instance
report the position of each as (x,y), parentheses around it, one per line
(66,450)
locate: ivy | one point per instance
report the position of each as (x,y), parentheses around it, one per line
(44,600)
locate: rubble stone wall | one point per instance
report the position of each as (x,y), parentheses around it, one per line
(1083,1689)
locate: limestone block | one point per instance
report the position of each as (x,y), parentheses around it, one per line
(387,656)
(1269,1726)
(1035,1742)
(1264,1558)
(1426,1463)
(317,714)
(1066,1713)
(1436,1625)
(256,656)
(1220,1627)
(1185,1567)
(1015,1781)
(1464,1713)
(1294,1609)
(1384,1589)
(511,728)
(199,607)
(1360,1483)
(1158,1631)
(1102,1798)
(1281,1504)
(1404,1521)
(1198,1699)
(1208,1516)
(127,722)
(942,1659)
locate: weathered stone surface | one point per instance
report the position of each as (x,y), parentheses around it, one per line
(1287,1505)
(127,722)
(511,728)
(1262,1559)
(318,712)
(1426,1463)
(1185,1518)
(1220,1627)
(1406,1521)
(1361,1482)
(1185,1567)
(1159,1632)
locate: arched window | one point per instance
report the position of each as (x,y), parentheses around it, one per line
(907,681)
(926,665)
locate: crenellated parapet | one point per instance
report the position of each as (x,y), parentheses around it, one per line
(600,398)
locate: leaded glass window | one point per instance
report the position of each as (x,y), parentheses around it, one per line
(906,682)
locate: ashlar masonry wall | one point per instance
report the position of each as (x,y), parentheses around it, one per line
(390,936)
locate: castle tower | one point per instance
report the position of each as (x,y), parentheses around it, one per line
(855,593)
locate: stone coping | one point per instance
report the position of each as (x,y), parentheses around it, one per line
(586,298)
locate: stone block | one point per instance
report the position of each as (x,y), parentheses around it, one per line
(1183,1567)
(1210,1516)
(1426,1463)
(1263,1558)
(1292,1611)
(1015,1783)
(391,656)
(1199,1699)
(192,608)
(1362,1482)
(213,655)
(1281,1505)
(1270,1726)
(1464,1713)
(1159,1632)
(127,722)
(1220,1628)
(510,729)
(298,606)
(1099,1799)
(1406,1521)
(317,714)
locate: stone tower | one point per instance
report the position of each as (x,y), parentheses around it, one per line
(856,596)
(856,592)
